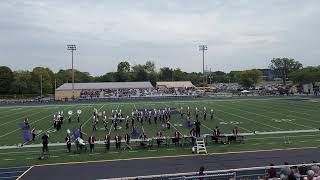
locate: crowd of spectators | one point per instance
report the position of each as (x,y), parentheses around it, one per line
(114,93)
(295,172)
(265,89)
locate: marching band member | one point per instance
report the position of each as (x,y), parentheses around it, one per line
(193,132)
(45,142)
(81,131)
(145,115)
(143,139)
(181,112)
(177,137)
(61,117)
(155,116)
(105,123)
(132,122)
(159,138)
(127,122)
(235,131)
(54,121)
(204,113)
(33,133)
(127,139)
(117,139)
(215,134)
(197,115)
(91,141)
(115,125)
(211,114)
(78,117)
(107,141)
(69,118)
(197,124)
(94,124)
(149,117)
(68,142)
(169,113)
(26,123)
(168,125)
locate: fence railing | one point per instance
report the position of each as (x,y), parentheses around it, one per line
(229,174)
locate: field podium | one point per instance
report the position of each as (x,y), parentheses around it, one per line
(201,145)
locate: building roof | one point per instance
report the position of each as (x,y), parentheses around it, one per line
(176,84)
(106,85)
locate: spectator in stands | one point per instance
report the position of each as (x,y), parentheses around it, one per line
(315,169)
(295,172)
(303,170)
(310,175)
(201,173)
(272,172)
(286,171)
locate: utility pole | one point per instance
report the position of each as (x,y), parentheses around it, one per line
(41,86)
(203,48)
(72,48)
(210,76)
(55,87)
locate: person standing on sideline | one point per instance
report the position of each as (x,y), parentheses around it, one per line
(107,141)
(117,139)
(33,133)
(78,117)
(197,124)
(68,141)
(45,142)
(92,140)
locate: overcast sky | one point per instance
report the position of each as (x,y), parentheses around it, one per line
(240,34)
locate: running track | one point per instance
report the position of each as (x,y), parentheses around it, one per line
(169,165)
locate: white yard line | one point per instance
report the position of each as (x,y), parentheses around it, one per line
(222,120)
(257,122)
(295,116)
(10,114)
(92,116)
(269,117)
(50,115)
(21,118)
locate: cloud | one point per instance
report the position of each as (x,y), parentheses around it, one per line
(239,34)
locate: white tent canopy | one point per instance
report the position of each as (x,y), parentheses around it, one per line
(245,91)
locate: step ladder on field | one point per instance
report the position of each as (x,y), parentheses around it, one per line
(201,145)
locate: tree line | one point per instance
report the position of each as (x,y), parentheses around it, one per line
(22,82)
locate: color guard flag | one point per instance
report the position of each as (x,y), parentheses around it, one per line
(76,133)
(188,124)
(26,135)
(135,133)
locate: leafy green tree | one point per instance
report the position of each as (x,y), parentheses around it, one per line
(47,77)
(166,74)
(139,73)
(179,75)
(196,78)
(6,78)
(249,78)
(108,77)
(150,66)
(306,75)
(22,83)
(233,76)
(284,66)
(123,66)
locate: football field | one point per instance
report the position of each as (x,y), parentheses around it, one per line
(272,115)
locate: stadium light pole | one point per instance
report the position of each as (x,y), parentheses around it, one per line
(72,47)
(41,86)
(203,48)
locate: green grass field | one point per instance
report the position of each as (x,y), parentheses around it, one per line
(249,115)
